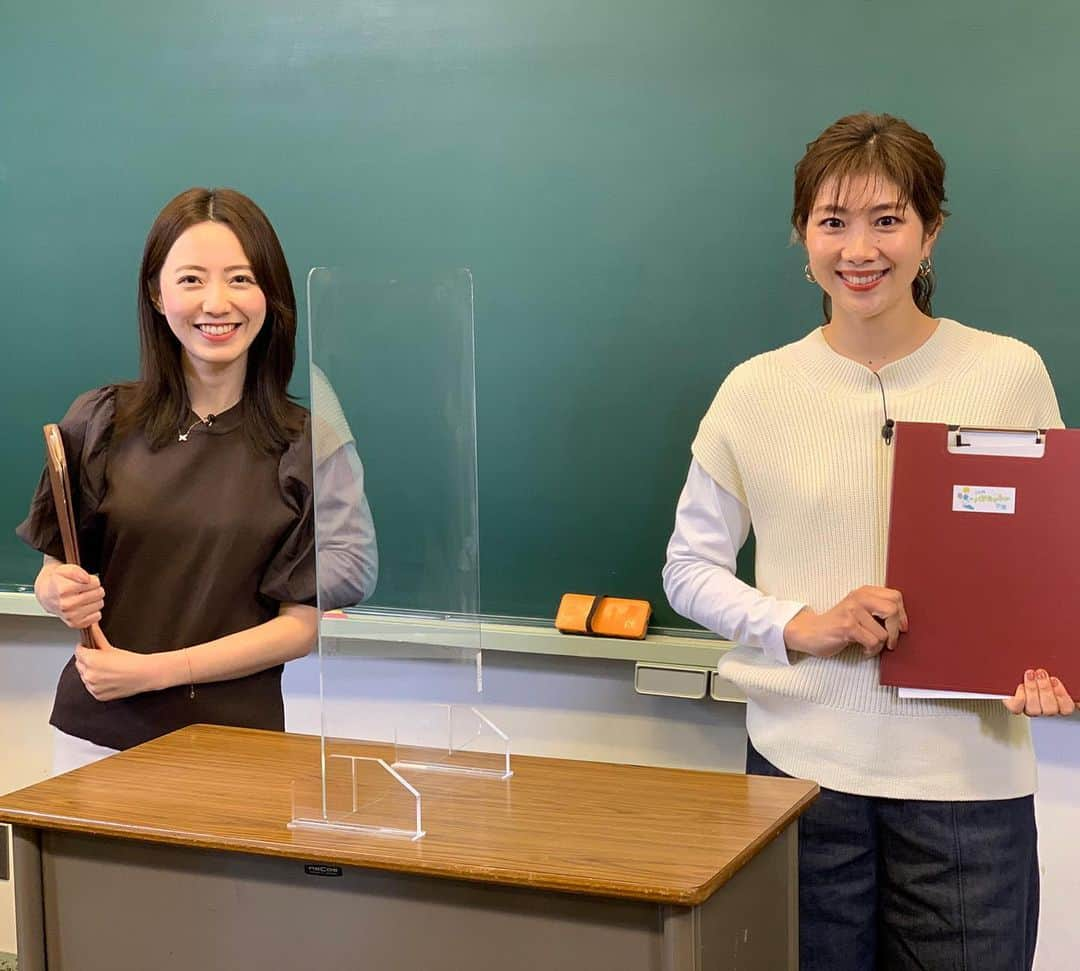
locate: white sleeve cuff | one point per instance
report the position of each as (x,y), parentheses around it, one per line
(772,642)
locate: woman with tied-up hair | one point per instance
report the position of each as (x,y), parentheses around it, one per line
(193,492)
(921,850)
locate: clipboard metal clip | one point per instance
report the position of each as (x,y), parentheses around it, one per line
(1021,442)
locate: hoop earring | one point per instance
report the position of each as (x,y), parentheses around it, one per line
(810,278)
(925,267)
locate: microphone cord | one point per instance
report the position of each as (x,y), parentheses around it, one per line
(887,428)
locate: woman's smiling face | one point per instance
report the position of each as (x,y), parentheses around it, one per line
(864,248)
(210,298)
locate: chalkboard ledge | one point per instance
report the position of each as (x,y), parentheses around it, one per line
(400,634)
(351,631)
(21,603)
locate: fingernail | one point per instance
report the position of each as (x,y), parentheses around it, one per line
(1042,675)
(1029,675)
(1055,682)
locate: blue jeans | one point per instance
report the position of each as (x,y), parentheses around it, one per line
(898,884)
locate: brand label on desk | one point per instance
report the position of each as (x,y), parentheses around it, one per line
(322,870)
(998,499)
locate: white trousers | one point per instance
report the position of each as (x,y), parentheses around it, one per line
(70,752)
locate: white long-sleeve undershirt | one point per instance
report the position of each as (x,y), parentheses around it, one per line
(711,526)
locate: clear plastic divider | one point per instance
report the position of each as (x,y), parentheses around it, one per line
(453,738)
(394,440)
(362,793)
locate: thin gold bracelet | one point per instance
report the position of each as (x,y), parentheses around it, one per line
(191,677)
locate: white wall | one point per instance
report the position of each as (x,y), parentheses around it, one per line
(1057,742)
(32,653)
(574,708)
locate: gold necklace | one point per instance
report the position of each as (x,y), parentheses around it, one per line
(207,421)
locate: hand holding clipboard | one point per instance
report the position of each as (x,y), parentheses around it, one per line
(56,462)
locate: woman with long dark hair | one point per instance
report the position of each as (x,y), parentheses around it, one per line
(921,850)
(193,489)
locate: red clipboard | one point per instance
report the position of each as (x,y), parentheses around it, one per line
(56,463)
(985,549)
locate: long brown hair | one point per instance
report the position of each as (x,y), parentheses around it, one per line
(158,402)
(875,145)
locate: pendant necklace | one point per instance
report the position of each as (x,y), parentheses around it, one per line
(207,421)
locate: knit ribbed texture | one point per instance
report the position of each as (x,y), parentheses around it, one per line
(795,434)
(329,428)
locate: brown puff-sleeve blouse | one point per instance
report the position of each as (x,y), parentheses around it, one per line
(197,540)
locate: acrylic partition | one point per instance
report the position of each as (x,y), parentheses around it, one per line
(394,443)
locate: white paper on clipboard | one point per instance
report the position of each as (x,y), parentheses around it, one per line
(1019,443)
(938,693)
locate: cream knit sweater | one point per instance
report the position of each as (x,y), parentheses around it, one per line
(795,435)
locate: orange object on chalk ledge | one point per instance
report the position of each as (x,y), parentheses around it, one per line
(600,616)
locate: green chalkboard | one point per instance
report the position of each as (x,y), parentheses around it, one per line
(614,173)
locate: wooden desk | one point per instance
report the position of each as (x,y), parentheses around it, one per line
(177,856)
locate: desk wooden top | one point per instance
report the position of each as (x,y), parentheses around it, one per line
(664,835)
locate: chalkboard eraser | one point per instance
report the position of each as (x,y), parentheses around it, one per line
(599,616)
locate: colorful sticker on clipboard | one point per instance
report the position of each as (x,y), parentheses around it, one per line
(995,499)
